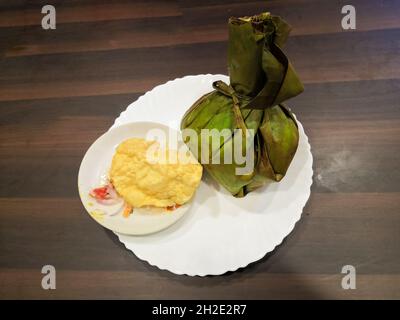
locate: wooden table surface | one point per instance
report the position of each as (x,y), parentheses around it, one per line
(60,89)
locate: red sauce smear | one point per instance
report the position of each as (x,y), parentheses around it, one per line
(100,193)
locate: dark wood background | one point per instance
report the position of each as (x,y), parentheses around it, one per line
(60,89)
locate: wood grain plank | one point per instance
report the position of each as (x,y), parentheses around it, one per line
(354,136)
(63,89)
(45,170)
(27,111)
(310,17)
(335,57)
(376,134)
(308,249)
(360,100)
(346,56)
(193,27)
(29,4)
(109,35)
(90,12)
(85,285)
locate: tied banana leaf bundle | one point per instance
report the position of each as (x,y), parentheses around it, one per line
(249,110)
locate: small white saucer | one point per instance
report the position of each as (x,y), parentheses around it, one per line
(94,168)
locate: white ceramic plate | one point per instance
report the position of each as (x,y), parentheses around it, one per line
(94,168)
(219,233)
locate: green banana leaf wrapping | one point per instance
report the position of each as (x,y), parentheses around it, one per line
(261,79)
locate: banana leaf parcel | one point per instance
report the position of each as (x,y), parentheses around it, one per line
(261,79)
